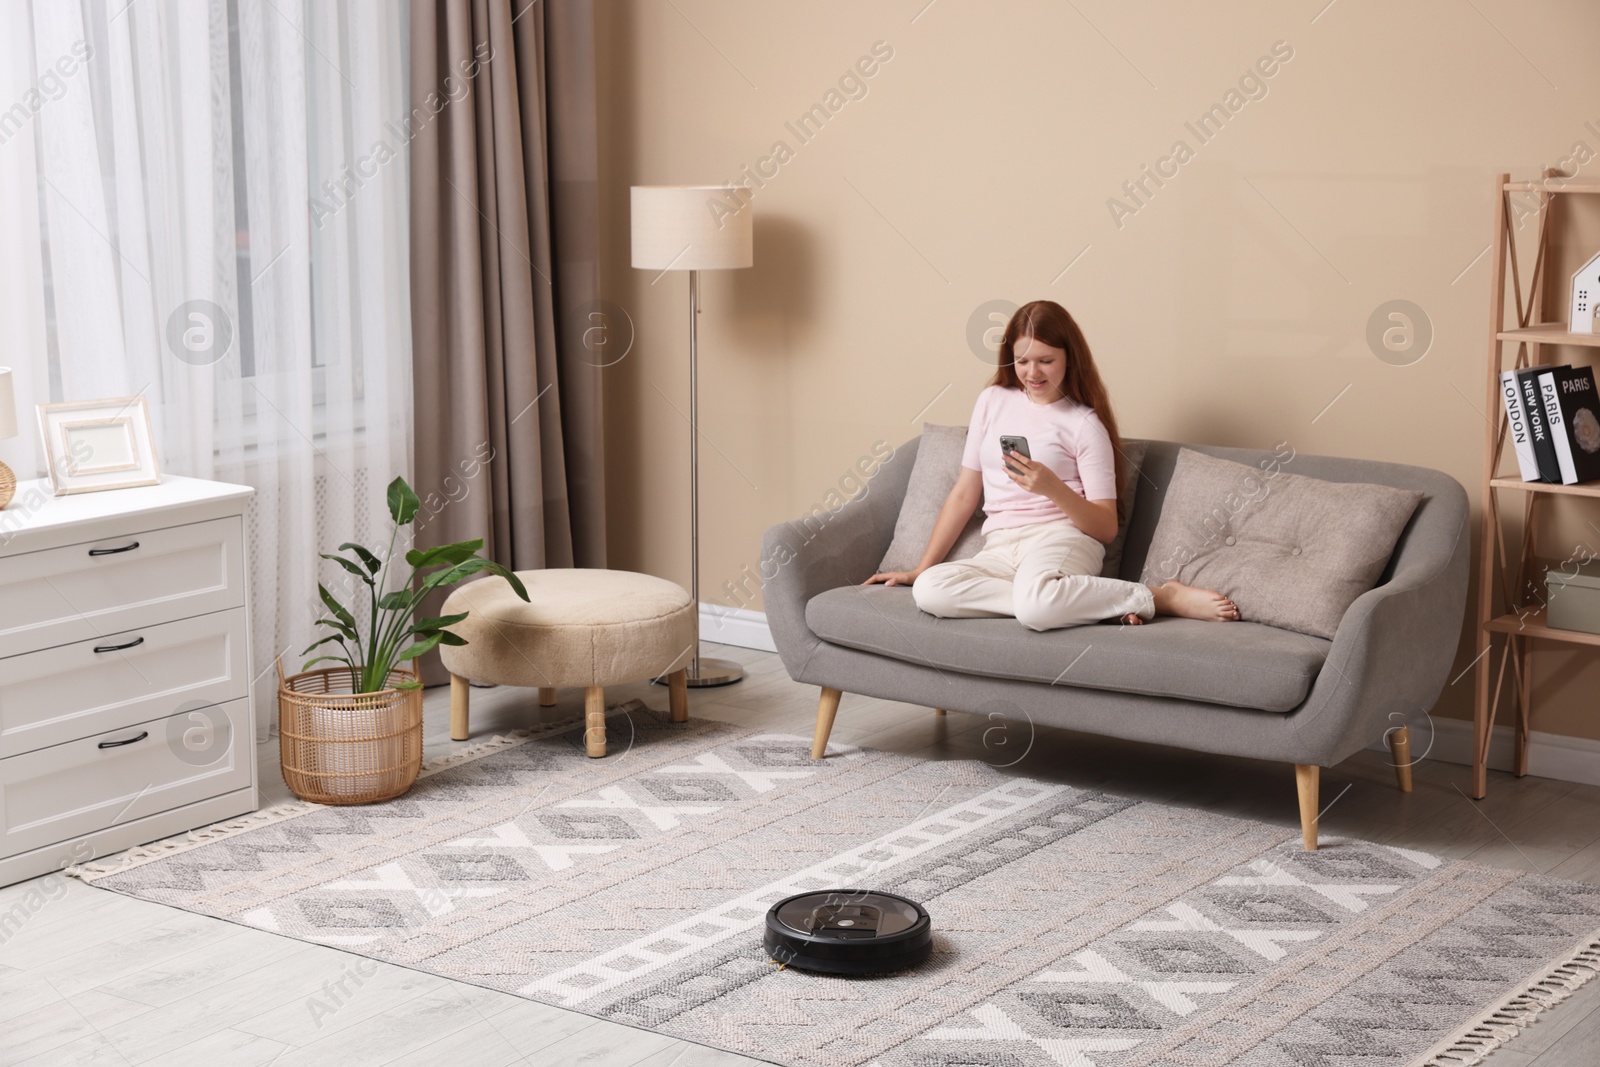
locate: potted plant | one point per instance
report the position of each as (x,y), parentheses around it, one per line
(352,734)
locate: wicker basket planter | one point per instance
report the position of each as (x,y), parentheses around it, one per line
(340,747)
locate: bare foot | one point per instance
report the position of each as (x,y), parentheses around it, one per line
(1208,605)
(1132,619)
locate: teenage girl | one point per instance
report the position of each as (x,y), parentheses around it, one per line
(1049,517)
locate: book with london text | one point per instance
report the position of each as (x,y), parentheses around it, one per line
(1544,449)
(1550,397)
(1580,415)
(1517,427)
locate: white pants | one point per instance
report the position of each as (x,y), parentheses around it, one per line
(1046,575)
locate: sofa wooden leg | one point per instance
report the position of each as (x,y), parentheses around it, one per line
(594,718)
(547,697)
(1400,748)
(1306,779)
(678,694)
(460,697)
(827,708)
(938,711)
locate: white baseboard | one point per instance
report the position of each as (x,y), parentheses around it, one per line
(739,627)
(1570,759)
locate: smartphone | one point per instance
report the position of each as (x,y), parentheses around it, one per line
(1010,444)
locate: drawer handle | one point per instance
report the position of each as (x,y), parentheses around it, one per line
(129,741)
(119,648)
(113,551)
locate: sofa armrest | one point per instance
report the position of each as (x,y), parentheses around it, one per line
(1392,653)
(828,549)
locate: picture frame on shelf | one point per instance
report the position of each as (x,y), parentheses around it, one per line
(95,445)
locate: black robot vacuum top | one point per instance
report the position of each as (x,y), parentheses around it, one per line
(848,931)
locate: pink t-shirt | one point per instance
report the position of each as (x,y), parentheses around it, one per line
(1065,436)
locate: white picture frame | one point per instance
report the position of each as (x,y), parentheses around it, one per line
(94,445)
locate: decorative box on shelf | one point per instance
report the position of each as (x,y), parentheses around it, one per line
(125,706)
(1572,598)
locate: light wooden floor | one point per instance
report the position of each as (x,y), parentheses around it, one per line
(95,978)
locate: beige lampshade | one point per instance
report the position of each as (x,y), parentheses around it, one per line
(8,404)
(691,227)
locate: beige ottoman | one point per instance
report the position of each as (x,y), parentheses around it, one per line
(589,628)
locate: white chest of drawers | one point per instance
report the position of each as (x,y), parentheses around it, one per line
(125,709)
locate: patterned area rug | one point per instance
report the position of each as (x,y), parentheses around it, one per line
(1071,927)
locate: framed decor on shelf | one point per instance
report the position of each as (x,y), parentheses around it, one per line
(94,445)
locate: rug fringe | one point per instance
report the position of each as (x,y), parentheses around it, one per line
(91,871)
(1473,1043)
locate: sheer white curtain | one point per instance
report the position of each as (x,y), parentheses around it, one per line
(211,212)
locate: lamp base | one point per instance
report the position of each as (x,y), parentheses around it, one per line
(712,672)
(8,485)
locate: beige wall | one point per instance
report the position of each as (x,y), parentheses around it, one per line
(1231,308)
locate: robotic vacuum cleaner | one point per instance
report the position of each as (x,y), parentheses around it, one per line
(848,931)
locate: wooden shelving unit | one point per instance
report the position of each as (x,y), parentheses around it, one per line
(1505,568)
(1550,333)
(1532,624)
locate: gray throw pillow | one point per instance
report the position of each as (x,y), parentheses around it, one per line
(934,475)
(1127,489)
(1291,551)
(932,478)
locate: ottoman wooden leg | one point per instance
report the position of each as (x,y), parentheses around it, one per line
(460,690)
(547,697)
(678,694)
(594,715)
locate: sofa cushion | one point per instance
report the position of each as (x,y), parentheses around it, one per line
(1242,664)
(1289,550)
(934,475)
(932,478)
(1127,489)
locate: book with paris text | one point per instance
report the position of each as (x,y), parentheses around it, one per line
(1579,404)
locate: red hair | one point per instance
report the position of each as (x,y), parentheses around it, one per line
(1049,323)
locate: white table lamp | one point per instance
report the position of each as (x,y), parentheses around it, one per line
(8,428)
(693,228)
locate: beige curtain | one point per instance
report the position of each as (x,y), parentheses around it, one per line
(505,281)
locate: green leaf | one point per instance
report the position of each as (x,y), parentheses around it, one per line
(340,612)
(451,575)
(322,659)
(344,631)
(511,577)
(456,572)
(447,554)
(448,638)
(349,566)
(395,600)
(316,644)
(438,623)
(374,564)
(403,503)
(494,568)
(421,647)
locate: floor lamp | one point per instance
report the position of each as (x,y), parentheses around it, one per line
(693,228)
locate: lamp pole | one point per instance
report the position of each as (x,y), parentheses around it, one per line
(701,673)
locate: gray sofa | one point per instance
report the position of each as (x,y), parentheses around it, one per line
(1241,689)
